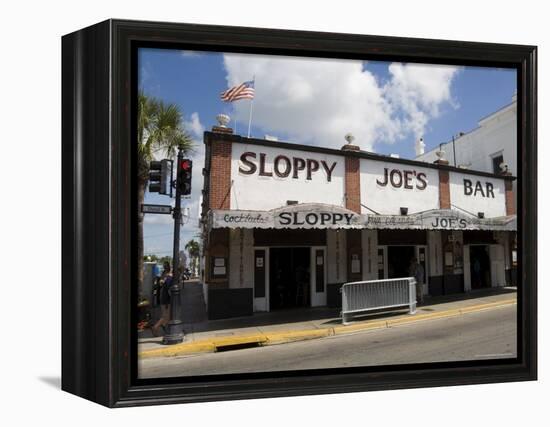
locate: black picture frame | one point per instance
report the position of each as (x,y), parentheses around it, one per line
(98,198)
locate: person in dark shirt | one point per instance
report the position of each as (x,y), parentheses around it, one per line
(164,299)
(416,270)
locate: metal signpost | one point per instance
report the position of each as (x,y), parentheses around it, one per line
(162,183)
(174,331)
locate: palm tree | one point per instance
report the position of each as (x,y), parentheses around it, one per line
(160,133)
(193,249)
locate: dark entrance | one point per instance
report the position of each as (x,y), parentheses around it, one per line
(399,261)
(289,277)
(480,266)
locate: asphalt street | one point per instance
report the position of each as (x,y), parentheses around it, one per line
(488,334)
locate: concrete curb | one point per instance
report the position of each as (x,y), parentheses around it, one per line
(213,344)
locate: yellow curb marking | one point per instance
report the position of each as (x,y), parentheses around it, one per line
(210,345)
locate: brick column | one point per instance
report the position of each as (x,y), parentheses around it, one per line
(509,196)
(444,189)
(354,248)
(511,236)
(218,247)
(219,197)
(220,171)
(352,179)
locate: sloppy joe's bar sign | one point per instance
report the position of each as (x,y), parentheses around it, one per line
(312,177)
(334,217)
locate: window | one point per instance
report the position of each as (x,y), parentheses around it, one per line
(497,160)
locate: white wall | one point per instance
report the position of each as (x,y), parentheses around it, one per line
(503,238)
(388,199)
(498,275)
(435,253)
(492,207)
(369,243)
(265,193)
(241,253)
(336,256)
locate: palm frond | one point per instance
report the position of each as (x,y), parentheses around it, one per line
(160,129)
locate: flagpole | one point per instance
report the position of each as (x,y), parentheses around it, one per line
(250,117)
(251,105)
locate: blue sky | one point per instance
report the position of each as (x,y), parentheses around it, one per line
(387,106)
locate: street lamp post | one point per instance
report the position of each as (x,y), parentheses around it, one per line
(174,333)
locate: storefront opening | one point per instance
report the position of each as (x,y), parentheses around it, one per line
(399,261)
(289,277)
(480,266)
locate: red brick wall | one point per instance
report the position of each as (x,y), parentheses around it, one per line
(444,190)
(510,207)
(353,184)
(218,246)
(220,175)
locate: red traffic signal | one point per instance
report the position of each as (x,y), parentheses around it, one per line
(186,165)
(185,168)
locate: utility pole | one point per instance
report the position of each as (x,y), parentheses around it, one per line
(174,332)
(454,151)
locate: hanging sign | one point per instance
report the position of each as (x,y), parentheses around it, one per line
(320,216)
(295,216)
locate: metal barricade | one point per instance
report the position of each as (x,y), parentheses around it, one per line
(359,297)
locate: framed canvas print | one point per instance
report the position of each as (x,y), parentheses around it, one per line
(258,213)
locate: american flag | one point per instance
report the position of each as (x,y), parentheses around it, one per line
(243,91)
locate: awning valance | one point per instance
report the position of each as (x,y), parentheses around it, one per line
(321,216)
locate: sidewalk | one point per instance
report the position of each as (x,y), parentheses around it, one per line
(300,324)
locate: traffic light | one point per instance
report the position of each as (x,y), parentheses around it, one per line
(185,168)
(160,176)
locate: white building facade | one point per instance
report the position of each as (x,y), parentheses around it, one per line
(285,225)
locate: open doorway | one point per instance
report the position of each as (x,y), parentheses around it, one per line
(289,278)
(480,266)
(399,261)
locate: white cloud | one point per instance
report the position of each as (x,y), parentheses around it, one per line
(194,126)
(318,101)
(196,129)
(158,219)
(418,91)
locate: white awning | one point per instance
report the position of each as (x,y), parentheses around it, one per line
(321,216)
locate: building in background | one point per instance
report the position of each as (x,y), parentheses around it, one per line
(486,148)
(491,147)
(284,225)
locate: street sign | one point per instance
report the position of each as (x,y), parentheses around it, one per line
(157,209)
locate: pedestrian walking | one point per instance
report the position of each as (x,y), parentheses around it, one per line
(416,270)
(165,282)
